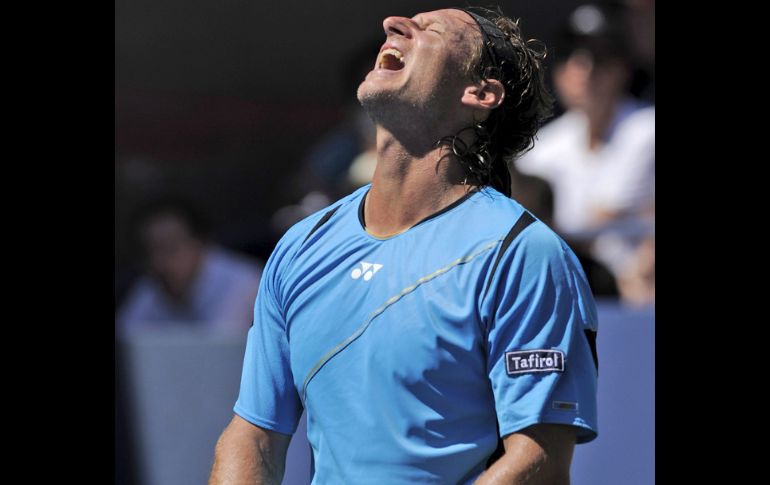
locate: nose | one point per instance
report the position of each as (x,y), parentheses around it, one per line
(398,26)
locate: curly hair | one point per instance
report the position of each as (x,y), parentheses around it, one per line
(510,129)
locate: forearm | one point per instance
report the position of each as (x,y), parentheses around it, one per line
(515,469)
(242,459)
(538,455)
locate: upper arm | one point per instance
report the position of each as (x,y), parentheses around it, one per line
(268,396)
(540,362)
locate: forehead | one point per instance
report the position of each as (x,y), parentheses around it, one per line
(453,19)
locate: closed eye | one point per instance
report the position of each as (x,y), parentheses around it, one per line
(430,26)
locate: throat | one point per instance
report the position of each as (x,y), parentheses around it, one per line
(385,215)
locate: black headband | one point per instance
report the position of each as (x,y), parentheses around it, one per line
(498,51)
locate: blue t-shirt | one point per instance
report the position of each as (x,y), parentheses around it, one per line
(415,353)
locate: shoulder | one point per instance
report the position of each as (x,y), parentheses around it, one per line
(532,259)
(301,229)
(640,121)
(496,205)
(293,239)
(144,291)
(143,301)
(493,216)
(644,114)
(563,126)
(554,144)
(520,231)
(539,243)
(492,211)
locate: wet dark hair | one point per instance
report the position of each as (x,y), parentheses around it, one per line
(510,129)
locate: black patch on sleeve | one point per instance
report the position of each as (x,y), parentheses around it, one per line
(321,222)
(591,337)
(522,223)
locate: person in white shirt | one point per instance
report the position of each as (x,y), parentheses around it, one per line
(599,156)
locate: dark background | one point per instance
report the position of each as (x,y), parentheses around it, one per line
(218,101)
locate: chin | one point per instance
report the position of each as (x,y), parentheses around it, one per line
(379,106)
(368,85)
(361,91)
(372,97)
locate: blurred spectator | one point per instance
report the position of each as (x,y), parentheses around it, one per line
(332,158)
(637,283)
(189,279)
(641,16)
(536,195)
(344,158)
(599,155)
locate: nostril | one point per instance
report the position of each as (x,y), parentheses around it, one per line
(396,26)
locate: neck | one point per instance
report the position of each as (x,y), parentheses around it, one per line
(413,179)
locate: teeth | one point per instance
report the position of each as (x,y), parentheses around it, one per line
(390,51)
(395,53)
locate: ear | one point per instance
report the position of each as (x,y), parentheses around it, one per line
(487,95)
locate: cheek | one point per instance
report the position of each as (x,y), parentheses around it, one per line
(433,54)
(438,68)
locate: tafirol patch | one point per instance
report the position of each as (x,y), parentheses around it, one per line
(530,361)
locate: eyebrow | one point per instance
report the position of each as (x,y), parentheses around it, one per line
(426,19)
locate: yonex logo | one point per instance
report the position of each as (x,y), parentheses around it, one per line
(366,269)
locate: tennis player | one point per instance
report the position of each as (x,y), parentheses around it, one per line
(432,328)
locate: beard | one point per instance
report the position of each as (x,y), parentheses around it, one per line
(376,102)
(395,108)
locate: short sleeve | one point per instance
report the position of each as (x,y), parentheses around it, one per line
(268,397)
(537,311)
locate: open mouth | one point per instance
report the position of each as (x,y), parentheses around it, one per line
(391,60)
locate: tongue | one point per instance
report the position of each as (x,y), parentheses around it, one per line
(391,63)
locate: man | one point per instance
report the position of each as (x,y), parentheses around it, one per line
(189,279)
(427,318)
(599,156)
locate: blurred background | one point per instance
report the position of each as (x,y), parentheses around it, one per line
(235,119)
